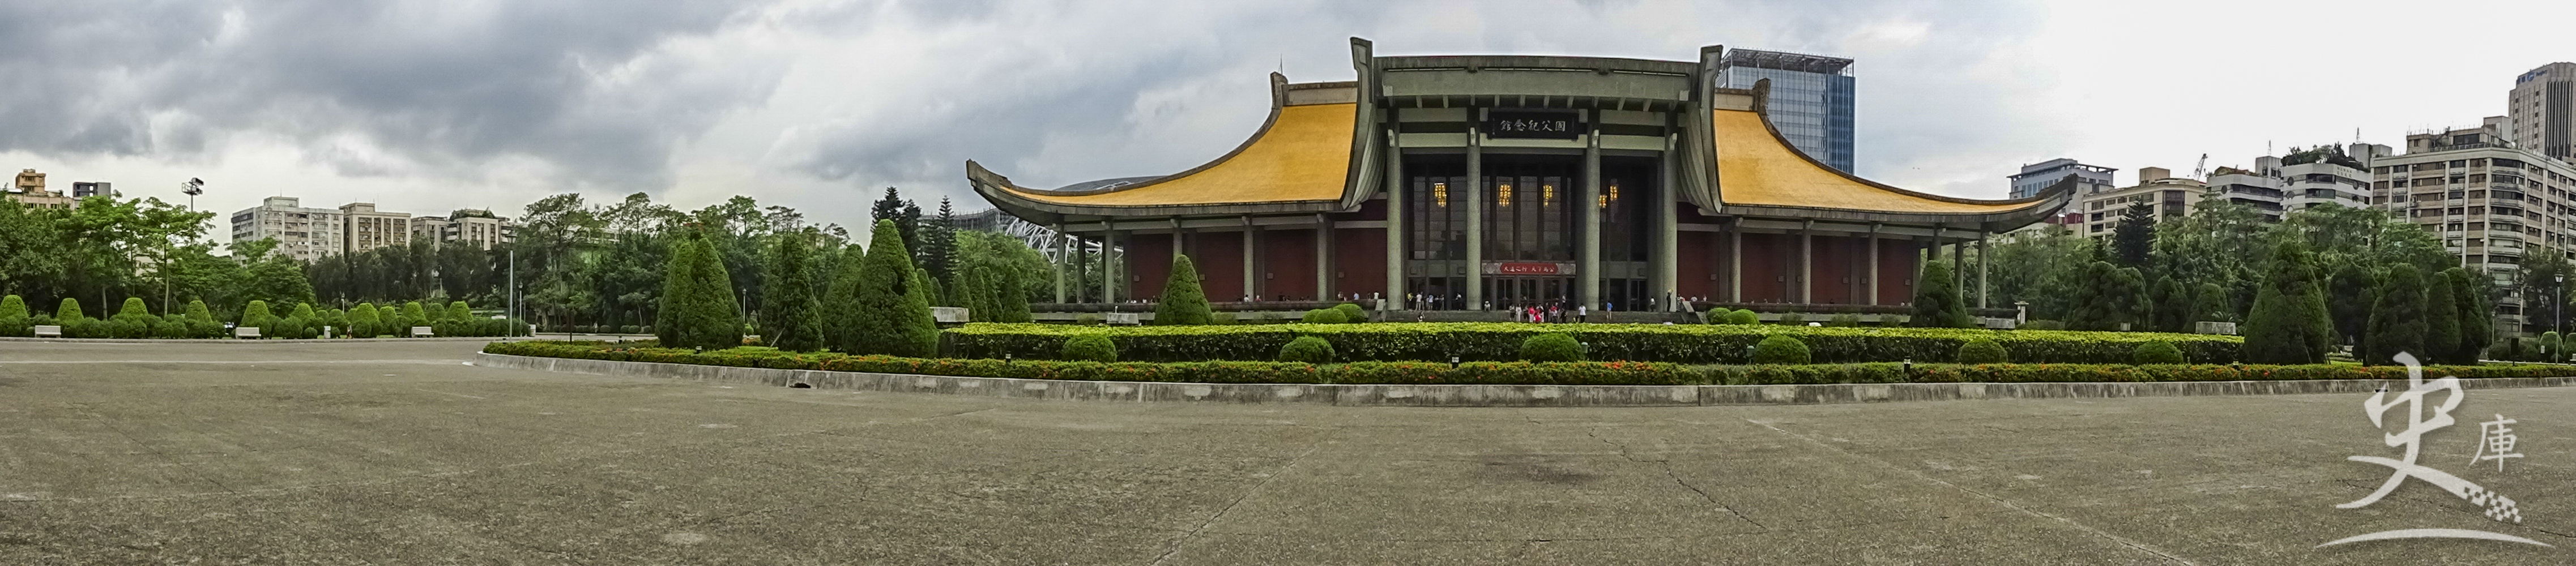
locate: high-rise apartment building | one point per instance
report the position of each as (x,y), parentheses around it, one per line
(1810,102)
(85,189)
(2037,177)
(365,228)
(2542,111)
(305,234)
(2301,179)
(2493,203)
(478,228)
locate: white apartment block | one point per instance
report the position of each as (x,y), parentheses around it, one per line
(2302,179)
(2541,111)
(478,228)
(2492,201)
(2037,177)
(2172,197)
(306,234)
(365,228)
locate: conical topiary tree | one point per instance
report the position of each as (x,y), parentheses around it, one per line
(791,318)
(1182,302)
(13,317)
(891,310)
(697,309)
(459,312)
(841,298)
(2397,318)
(2477,318)
(197,312)
(364,321)
(2289,323)
(68,312)
(414,312)
(2441,321)
(1936,299)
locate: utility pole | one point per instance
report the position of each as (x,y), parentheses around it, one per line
(510,315)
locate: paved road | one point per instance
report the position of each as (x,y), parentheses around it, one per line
(398,453)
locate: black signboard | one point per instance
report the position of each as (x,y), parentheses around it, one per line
(1538,124)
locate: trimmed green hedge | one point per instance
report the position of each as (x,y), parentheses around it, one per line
(1499,341)
(1530,373)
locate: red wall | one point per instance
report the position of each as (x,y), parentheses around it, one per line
(1895,271)
(1219,256)
(1698,259)
(1288,264)
(1149,261)
(1834,279)
(1767,263)
(1359,261)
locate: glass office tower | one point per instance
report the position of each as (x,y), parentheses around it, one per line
(1811,99)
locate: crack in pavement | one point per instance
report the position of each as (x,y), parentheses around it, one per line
(1185,538)
(2124,541)
(1667,465)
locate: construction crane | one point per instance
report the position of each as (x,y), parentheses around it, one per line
(2201,171)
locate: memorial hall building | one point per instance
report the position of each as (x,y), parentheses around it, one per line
(1493,181)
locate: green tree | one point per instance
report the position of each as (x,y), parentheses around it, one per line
(2441,321)
(698,309)
(197,312)
(1936,299)
(939,244)
(2173,306)
(791,316)
(2289,323)
(69,311)
(2397,318)
(364,321)
(1182,301)
(459,312)
(2477,315)
(2111,297)
(891,309)
(2351,287)
(2135,236)
(255,315)
(13,316)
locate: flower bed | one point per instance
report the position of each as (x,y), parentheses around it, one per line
(1494,341)
(1522,373)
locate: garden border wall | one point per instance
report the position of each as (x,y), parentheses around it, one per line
(1461,395)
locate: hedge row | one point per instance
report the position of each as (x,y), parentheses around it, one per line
(1495,341)
(1522,373)
(1525,373)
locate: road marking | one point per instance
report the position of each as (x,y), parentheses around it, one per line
(456,394)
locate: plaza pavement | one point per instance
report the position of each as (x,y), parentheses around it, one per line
(398,453)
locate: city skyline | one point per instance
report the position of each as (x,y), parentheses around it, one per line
(756,99)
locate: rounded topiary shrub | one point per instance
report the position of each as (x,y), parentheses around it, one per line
(1781,349)
(1090,348)
(1983,351)
(2043,325)
(1351,313)
(1307,349)
(1323,316)
(1844,321)
(1793,319)
(1743,316)
(2156,352)
(1551,347)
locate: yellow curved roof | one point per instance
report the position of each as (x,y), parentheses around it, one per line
(1757,168)
(1304,155)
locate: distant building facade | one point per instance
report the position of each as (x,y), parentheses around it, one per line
(1810,100)
(2493,202)
(28,188)
(2037,177)
(365,228)
(473,227)
(2542,111)
(306,234)
(2172,197)
(85,189)
(2302,179)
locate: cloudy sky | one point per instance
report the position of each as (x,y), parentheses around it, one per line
(429,105)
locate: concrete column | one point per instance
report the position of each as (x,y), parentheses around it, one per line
(1873,264)
(1395,187)
(1959,268)
(1735,261)
(1064,260)
(1323,257)
(1178,241)
(1109,279)
(1475,217)
(1250,288)
(1981,269)
(1806,266)
(1668,232)
(1587,279)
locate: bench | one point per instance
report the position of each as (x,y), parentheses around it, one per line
(246,332)
(49,331)
(1123,319)
(422,332)
(949,315)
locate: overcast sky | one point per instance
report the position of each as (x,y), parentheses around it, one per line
(425,106)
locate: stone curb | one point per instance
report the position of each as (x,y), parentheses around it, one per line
(1460,395)
(240,341)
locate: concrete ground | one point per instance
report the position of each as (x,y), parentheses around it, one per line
(398,453)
